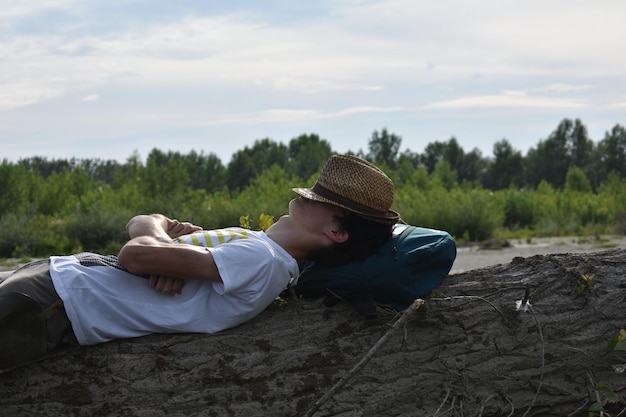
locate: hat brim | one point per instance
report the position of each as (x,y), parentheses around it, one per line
(390,216)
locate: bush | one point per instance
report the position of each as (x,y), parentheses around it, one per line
(518,208)
(97,230)
(467,214)
(25,234)
(18,237)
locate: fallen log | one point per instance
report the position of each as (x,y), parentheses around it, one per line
(472,349)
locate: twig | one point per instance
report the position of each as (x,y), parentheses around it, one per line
(452,405)
(445,400)
(400,322)
(294,296)
(472,297)
(405,338)
(595,387)
(512,407)
(482,406)
(543,360)
(575,413)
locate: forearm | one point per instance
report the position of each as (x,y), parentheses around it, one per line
(148,255)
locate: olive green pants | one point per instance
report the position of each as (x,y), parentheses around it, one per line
(33,279)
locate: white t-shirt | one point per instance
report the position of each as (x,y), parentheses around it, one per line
(104,302)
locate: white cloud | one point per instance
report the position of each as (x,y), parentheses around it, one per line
(269,116)
(26,92)
(562,88)
(532,37)
(17,8)
(507,100)
(361,47)
(361,61)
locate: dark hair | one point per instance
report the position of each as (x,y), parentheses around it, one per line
(364,238)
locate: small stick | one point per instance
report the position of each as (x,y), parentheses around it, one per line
(482,405)
(445,400)
(400,322)
(471,297)
(543,361)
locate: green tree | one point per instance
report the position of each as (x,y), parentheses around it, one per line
(408,163)
(383,148)
(505,169)
(576,181)
(611,153)
(580,146)
(518,207)
(569,145)
(62,192)
(472,167)
(449,151)
(248,163)
(444,175)
(269,193)
(307,154)
(44,167)
(97,169)
(18,186)
(547,162)
(205,172)
(614,192)
(164,182)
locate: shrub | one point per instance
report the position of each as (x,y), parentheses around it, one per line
(518,208)
(27,234)
(467,214)
(97,230)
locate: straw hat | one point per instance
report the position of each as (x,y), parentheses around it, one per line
(355,185)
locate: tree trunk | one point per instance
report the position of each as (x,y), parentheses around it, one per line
(467,352)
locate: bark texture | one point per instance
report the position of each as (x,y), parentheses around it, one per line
(466,352)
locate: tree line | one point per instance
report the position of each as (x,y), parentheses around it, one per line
(566,184)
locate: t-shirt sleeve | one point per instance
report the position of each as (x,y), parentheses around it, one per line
(244,265)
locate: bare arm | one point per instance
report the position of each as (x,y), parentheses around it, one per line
(154,225)
(158,226)
(151,251)
(150,255)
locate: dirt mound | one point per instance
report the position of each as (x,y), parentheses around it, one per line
(468,351)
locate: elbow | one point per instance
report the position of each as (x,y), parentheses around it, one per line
(135,219)
(135,222)
(123,256)
(129,257)
(140,255)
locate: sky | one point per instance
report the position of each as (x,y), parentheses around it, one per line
(106,79)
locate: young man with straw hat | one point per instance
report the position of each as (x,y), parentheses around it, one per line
(220,280)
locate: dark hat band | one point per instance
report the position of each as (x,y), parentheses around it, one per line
(353,205)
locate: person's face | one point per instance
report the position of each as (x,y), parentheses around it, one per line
(314,215)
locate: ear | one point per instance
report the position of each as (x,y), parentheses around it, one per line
(337,236)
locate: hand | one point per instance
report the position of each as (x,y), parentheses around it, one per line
(167,285)
(176,228)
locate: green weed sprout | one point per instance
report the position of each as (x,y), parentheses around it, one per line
(585,285)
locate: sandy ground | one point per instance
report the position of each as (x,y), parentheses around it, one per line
(473,256)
